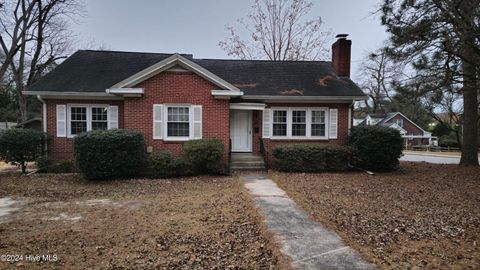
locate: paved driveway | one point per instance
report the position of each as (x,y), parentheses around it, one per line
(431,158)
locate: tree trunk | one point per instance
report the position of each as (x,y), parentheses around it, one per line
(470,114)
(21,103)
(24,167)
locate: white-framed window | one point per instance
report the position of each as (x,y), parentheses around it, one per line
(318,123)
(279,123)
(82,118)
(399,122)
(177,122)
(300,123)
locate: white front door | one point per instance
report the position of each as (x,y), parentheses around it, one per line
(241,130)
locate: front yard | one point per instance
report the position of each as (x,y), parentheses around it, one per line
(200,223)
(422,216)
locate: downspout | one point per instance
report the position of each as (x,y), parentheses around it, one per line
(44,118)
(350,117)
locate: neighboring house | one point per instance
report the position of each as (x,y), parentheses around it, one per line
(7,125)
(412,133)
(250,105)
(34,123)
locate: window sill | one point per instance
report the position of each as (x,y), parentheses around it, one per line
(300,138)
(175,139)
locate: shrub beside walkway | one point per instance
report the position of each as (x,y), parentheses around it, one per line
(309,245)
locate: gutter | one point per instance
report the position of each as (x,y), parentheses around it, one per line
(304,98)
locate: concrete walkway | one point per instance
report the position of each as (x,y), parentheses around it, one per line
(310,245)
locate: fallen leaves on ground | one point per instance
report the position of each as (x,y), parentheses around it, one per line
(192,223)
(422,216)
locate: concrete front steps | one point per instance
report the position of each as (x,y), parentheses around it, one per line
(246,161)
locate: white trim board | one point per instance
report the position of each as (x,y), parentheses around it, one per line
(248,106)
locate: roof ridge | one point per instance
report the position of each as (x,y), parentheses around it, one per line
(132,52)
(265,60)
(214,59)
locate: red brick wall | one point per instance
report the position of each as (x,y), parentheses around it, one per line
(342,134)
(61,148)
(407,125)
(178,87)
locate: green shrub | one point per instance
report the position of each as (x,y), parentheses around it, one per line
(311,157)
(161,164)
(46,165)
(19,146)
(376,148)
(205,156)
(105,154)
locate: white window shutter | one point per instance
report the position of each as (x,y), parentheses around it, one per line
(333,124)
(157,121)
(61,121)
(112,117)
(267,116)
(197,122)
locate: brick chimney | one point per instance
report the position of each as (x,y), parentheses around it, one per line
(341,51)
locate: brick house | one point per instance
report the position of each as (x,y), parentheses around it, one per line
(412,134)
(251,105)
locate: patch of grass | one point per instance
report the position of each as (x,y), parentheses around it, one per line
(423,216)
(189,223)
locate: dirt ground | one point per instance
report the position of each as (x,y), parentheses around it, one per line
(423,216)
(194,223)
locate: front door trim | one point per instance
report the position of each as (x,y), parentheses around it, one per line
(248,131)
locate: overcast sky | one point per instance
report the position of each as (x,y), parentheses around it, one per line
(196,26)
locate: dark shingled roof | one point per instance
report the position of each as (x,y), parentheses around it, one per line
(95,71)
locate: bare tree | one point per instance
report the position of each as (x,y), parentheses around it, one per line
(279,30)
(34,35)
(377,77)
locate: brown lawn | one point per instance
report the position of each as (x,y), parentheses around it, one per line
(192,223)
(420,217)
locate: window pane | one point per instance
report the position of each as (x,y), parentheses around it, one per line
(99,114)
(279,129)
(318,130)
(77,127)
(299,130)
(279,116)
(178,114)
(99,125)
(79,113)
(318,117)
(178,129)
(298,116)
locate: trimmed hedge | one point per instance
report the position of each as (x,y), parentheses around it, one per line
(106,154)
(205,156)
(376,148)
(161,164)
(46,165)
(311,157)
(19,146)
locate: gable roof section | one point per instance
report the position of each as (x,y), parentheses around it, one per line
(391,115)
(170,62)
(96,71)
